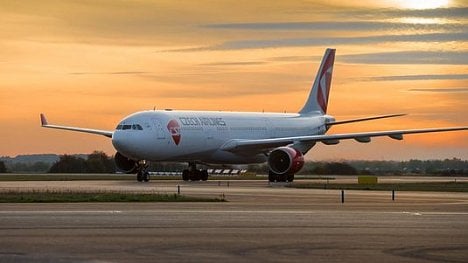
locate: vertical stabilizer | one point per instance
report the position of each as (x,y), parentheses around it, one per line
(318,97)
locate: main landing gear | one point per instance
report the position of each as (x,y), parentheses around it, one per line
(274,177)
(193,174)
(142,172)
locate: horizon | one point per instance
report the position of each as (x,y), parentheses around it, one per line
(90,64)
(308,160)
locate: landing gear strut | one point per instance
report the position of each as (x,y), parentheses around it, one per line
(142,172)
(193,174)
(274,177)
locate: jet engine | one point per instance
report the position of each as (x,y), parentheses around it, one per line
(125,164)
(285,160)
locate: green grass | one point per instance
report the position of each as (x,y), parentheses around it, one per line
(429,186)
(64,177)
(71,197)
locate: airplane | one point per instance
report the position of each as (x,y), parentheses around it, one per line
(213,138)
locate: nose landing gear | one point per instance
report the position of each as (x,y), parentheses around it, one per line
(142,171)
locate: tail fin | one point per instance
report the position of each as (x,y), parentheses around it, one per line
(318,97)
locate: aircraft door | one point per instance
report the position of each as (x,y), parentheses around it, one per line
(269,133)
(210,135)
(160,132)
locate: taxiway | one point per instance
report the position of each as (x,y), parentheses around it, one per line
(259,223)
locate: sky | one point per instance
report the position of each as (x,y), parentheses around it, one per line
(91,63)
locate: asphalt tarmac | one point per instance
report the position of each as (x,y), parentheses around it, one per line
(259,223)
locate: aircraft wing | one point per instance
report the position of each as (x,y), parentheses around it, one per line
(45,124)
(265,145)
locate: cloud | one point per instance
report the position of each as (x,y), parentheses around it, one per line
(453,12)
(296,58)
(340,26)
(457,13)
(111,73)
(221,84)
(331,41)
(246,63)
(409,57)
(447,90)
(418,77)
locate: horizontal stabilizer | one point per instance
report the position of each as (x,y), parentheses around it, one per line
(366,119)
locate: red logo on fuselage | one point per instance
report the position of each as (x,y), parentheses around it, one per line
(174,128)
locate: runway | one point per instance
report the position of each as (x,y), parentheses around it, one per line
(259,223)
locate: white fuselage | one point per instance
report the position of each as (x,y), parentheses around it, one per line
(198,135)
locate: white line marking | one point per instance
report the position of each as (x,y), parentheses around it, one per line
(62,212)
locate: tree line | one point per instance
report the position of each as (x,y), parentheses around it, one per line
(97,162)
(100,162)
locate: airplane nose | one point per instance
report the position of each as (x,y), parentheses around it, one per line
(123,144)
(118,141)
(127,145)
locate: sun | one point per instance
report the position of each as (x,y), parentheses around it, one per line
(422,4)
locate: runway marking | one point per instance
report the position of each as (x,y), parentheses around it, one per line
(62,212)
(410,213)
(431,213)
(446,213)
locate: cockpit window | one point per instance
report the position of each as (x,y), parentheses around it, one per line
(129,127)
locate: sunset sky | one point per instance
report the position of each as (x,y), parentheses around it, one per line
(91,63)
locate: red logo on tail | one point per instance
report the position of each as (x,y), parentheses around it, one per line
(325,81)
(174,128)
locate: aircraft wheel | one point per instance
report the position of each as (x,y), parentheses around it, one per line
(185,175)
(290,178)
(146,177)
(204,175)
(282,177)
(272,177)
(139,177)
(195,175)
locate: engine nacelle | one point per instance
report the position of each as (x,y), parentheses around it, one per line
(125,164)
(285,160)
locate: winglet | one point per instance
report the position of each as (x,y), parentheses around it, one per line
(43,120)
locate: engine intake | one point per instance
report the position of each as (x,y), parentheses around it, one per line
(285,160)
(125,164)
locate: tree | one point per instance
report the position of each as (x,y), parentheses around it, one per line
(335,168)
(3,168)
(99,162)
(69,164)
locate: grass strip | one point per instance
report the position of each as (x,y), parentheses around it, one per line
(64,177)
(72,197)
(425,186)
